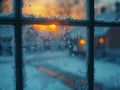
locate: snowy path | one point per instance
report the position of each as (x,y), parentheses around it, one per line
(58,71)
(63,70)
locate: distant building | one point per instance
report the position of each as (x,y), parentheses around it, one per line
(107,38)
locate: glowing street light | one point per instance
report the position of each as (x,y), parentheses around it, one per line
(101,40)
(82,41)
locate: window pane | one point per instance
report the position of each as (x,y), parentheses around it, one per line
(55,57)
(7,61)
(6,8)
(107,58)
(107,10)
(55,9)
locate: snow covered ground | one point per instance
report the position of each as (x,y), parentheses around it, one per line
(108,74)
(53,70)
(56,70)
(7,74)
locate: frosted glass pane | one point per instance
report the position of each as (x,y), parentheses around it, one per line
(55,57)
(107,10)
(55,9)
(7,8)
(7,61)
(107,58)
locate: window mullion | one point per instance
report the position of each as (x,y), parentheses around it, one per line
(18,57)
(90,64)
(107,24)
(18,46)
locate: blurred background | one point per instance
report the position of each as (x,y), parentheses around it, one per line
(55,56)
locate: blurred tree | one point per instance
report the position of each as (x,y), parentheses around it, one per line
(117,5)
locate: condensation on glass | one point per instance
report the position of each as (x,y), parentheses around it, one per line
(107,10)
(107,58)
(59,9)
(54,57)
(7,60)
(6,8)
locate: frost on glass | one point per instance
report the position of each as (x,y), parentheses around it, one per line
(107,10)
(55,9)
(7,67)
(107,58)
(54,57)
(6,8)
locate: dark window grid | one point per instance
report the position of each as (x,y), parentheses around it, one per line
(17,21)
(90,63)
(22,21)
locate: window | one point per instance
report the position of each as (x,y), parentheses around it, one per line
(52,43)
(108,11)
(7,8)
(7,60)
(55,9)
(107,50)
(58,52)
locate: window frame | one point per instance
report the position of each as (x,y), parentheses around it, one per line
(18,21)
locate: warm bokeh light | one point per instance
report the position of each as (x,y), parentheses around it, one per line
(82,41)
(53,26)
(101,40)
(53,29)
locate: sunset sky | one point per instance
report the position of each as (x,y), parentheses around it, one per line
(57,8)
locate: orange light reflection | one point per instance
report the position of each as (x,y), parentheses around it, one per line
(54,29)
(101,40)
(82,41)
